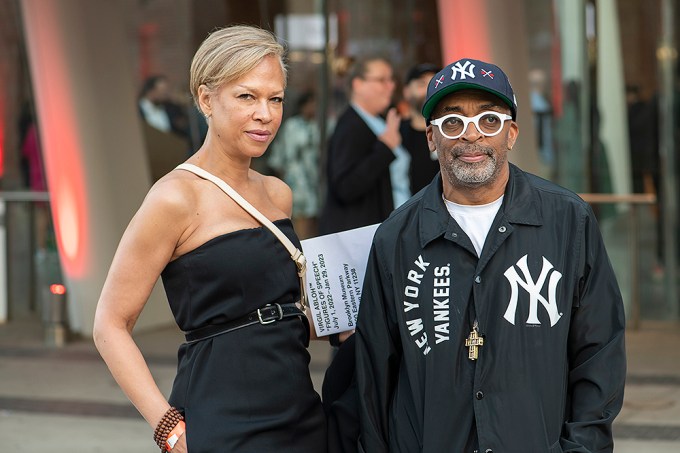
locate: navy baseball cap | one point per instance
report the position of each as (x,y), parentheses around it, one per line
(466,74)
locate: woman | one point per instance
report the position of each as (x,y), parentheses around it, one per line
(248,389)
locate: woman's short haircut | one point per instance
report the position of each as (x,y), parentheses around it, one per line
(231,52)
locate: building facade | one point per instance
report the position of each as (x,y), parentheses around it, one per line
(597,84)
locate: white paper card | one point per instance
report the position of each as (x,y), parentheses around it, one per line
(336,265)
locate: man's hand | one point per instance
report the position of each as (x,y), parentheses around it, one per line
(345,335)
(391,136)
(336,339)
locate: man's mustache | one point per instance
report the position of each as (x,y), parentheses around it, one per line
(463,150)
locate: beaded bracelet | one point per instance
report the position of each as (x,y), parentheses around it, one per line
(174,435)
(171,418)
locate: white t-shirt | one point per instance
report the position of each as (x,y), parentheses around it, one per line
(475,220)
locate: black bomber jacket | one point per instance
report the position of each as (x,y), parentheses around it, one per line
(550,374)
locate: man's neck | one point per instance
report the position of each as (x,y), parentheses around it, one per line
(363,107)
(483,194)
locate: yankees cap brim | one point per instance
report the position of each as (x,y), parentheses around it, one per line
(438,96)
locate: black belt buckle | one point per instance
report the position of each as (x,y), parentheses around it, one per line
(273,315)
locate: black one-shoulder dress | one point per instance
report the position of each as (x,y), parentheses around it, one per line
(248,390)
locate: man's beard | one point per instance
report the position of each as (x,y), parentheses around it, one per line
(472,174)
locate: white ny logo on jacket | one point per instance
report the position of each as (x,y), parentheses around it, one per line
(534,289)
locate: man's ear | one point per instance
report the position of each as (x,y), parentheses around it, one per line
(430,143)
(513,134)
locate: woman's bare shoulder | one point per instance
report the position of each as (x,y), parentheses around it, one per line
(279,193)
(174,195)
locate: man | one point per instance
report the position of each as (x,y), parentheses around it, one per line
(157,108)
(491,319)
(424,163)
(367,169)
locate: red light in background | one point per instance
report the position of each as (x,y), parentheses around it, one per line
(63,149)
(147,34)
(556,67)
(2,137)
(463,30)
(58,289)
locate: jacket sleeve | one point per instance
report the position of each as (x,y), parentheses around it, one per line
(357,160)
(597,357)
(377,357)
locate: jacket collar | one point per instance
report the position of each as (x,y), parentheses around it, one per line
(521,205)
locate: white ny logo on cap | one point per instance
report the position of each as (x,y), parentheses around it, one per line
(463,70)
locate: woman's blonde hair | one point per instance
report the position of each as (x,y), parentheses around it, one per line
(231,52)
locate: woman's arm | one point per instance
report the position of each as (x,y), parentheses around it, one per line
(145,248)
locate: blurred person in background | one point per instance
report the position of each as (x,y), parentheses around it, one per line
(643,136)
(424,163)
(158,109)
(543,118)
(295,157)
(367,168)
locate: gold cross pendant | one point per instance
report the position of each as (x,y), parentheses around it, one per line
(473,342)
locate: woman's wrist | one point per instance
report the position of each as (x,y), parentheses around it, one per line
(174,435)
(166,427)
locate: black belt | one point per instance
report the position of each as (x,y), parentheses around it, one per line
(268,314)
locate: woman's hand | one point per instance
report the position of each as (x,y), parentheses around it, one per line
(181,445)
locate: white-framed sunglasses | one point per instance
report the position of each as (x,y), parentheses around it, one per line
(453,126)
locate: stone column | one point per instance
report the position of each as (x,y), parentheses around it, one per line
(95,159)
